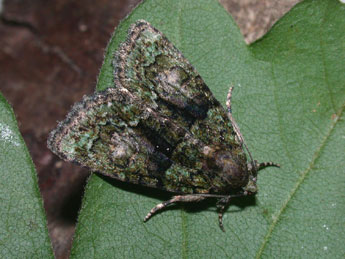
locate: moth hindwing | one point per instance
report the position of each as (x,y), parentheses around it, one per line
(159,126)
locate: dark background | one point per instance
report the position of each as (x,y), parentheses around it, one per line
(50,56)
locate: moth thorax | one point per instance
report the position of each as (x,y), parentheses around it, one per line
(232,169)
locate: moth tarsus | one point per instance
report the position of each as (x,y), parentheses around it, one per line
(159,126)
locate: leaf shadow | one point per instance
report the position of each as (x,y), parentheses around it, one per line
(194,207)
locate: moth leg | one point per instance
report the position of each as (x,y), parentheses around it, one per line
(177,198)
(222,204)
(262,165)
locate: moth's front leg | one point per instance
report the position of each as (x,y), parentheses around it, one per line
(222,204)
(263,165)
(177,198)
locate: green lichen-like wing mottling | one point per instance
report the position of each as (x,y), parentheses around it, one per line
(98,134)
(149,65)
(154,126)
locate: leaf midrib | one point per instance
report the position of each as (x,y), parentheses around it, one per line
(315,157)
(301,179)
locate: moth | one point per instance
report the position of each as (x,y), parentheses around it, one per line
(159,126)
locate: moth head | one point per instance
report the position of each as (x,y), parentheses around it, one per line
(233,168)
(251,186)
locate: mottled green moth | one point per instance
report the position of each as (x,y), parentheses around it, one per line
(159,126)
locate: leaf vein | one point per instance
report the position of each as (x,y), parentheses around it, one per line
(299,183)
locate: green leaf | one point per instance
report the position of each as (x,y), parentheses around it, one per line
(23,229)
(289,102)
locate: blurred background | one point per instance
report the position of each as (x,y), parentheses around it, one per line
(50,56)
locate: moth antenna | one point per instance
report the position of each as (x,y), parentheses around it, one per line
(236,127)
